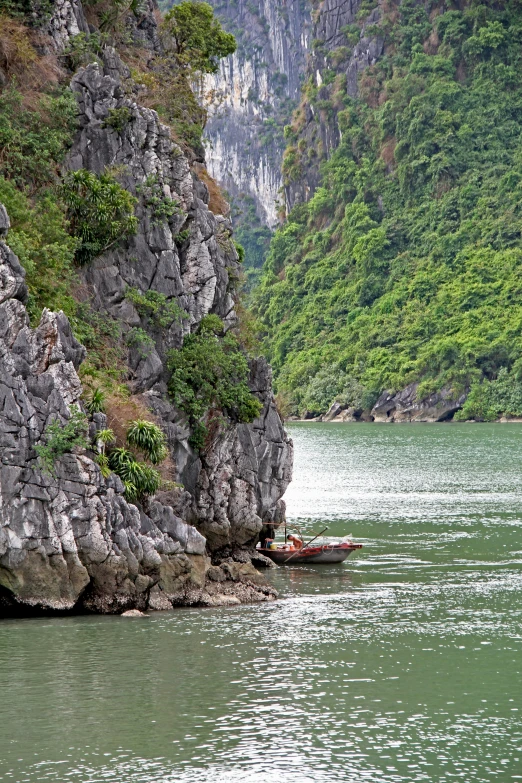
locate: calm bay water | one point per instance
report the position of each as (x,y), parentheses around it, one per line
(401,665)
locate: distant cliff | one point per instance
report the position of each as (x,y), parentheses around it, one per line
(257,89)
(284,47)
(345,41)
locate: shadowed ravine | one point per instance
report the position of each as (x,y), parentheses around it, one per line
(401,665)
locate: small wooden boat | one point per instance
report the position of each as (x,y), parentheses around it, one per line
(326,554)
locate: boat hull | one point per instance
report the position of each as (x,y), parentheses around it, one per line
(322,555)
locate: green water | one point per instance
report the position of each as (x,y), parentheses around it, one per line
(402,664)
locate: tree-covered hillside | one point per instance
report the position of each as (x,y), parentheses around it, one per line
(406,263)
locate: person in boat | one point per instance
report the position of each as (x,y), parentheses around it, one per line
(267,536)
(295,541)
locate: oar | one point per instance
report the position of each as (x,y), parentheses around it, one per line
(307,544)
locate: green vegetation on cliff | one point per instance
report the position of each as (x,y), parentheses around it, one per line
(406,263)
(209,375)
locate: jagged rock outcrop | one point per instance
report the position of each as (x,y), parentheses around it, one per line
(237,483)
(62,534)
(195,271)
(404,405)
(339,412)
(72,540)
(245,474)
(67,20)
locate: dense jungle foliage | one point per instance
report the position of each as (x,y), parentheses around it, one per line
(406,263)
(253,236)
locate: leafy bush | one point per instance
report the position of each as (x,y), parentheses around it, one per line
(34,140)
(61,439)
(40,239)
(182,237)
(139,339)
(321,390)
(102,460)
(488,400)
(330,384)
(140,480)
(478,405)
(155,308)
(149,439)
(96,401)
(83,49)
(105,437)
(161,207)
(210,371)
(100,211)
(118,119)
(35,12)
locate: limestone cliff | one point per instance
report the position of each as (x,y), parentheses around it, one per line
(71,540)
(289,53)
(256,90)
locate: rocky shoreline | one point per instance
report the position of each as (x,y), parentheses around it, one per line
(400,408)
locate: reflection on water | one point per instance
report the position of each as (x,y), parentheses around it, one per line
(400,665)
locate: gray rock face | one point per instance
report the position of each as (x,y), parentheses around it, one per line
(260,82)
(333,18)
(404,406)
(71,540)
(67,20)
(333,412)
(5,223)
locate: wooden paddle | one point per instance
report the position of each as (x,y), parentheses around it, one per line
(305,545)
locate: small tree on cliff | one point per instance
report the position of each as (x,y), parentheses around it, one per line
(193,43)
(199,41)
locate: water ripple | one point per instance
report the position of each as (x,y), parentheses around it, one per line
(401,665)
